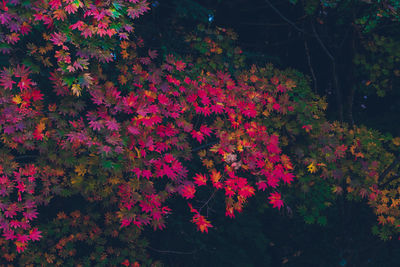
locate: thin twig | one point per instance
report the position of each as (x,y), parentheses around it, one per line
(285,18)
(321,43)
(310,66)
(172,251)
(204,146)
(211,197)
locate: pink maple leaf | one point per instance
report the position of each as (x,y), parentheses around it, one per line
(9,234)
(112,125)
(30,214)
(96,125)
(34,234)
(6,79)
(71,8)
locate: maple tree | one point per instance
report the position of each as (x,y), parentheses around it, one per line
(87,110)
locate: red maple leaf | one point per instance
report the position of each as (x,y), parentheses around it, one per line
(276,200)
(198,136)
(187,190)
(201,222)
(200,179)
(205,130)
(180,65)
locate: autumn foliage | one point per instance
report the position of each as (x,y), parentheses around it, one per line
(87,110)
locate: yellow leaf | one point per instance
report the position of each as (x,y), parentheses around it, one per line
(266,113)
(396,141)
(385,200)
(138,152)
(311,168)
(80,170)
(150,94)
(114,180)
(17,99)
(202,153)
(76,180)
(76,89)
(240,148)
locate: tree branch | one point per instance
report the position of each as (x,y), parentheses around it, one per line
(285,18)
(172,251)
(310,66)
(204,146)
(387,170)
(321,43)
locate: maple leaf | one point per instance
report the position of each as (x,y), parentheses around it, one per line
(287,177)
(215,179)
(9,234)
(88,32)
(12,38)
(125,222)
(81,63)
(15,224)
(112,125)
(312,168)
(208,163)
(71,8)
(59,14)
(262,185)
(205,130)
(246,191)
(198,136)
(340,151)
(58,38)
(152,53)
(200,179)
(76,89)
(169,172)
(96,125)
(187,190)
(308,128)
(201,222)
(55,4)
(6,79)
(276,200)
(180,65)
(38,133)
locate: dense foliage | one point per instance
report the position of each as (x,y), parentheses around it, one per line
(100,134)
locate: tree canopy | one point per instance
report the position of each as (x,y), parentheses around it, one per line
(119,118)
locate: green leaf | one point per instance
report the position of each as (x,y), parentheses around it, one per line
(322,220)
